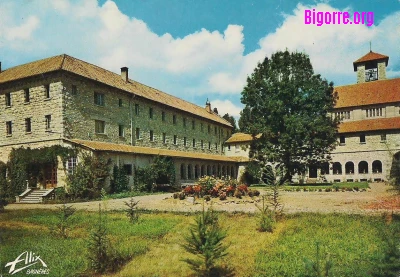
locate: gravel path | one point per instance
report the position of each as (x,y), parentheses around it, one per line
(321,202)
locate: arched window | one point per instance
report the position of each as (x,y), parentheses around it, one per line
(363,167)
(349,167)
(219,171)
(190,172)
(233,172)
(183,174)
(214,170)
(223,171)
(228,171)
(196,171)
(209,170)
(376,166)
(337,168)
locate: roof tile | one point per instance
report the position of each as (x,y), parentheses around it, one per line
(391,123)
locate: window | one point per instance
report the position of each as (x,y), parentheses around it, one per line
(202,144)
(229,147)
(136,109)
(383,137)
(120,102)
(74,90)
(48,122)
(209,145)
(71,165)
(163,116)
(375,112)
(121,132)
(237,148)
(175,139)
(8,99)
(151,113)
(128,169)
(28,125)
(184,122)
(151,135)
(343,115)
(193,125)
(164,138)
(47,91)
(99,99)
(137,133)
(362,138)
(194,143)
(26,95)
(342,139)
(99,126)
(184,141)
(174,119)
(9,127)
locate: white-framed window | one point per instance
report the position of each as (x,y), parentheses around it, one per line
(71,165)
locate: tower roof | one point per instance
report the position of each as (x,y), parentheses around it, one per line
(371,56)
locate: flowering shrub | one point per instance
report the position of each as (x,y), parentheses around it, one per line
(222,188)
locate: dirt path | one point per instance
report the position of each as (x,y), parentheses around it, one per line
(322,202)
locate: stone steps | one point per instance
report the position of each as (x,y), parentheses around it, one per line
(35,196)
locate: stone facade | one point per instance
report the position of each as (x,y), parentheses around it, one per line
(59,106)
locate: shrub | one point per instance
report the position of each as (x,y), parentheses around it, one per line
(250,193)
(238,194)
(207,183)
(356,188)
(131,211)
(256,192)
(336,187)
(328,190)
(207,198)
(181,196)
(176,195)
(222,196)
(120,180)
(198,190)
(266,218)
(242,189)
(188,190)
(205,241)
(230,190)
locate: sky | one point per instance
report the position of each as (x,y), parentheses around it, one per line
(197,50)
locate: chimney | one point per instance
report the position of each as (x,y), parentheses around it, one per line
(216,110)
(208,106)
(124,73)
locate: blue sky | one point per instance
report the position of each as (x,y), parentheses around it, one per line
(196,49)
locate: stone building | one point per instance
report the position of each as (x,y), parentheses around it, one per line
(65,101)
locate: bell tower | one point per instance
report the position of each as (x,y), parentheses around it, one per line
(371,67)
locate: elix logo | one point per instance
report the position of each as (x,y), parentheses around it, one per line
(26,259)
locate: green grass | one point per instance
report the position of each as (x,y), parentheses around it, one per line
(356,244)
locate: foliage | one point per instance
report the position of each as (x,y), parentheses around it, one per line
(28,164)
(205,241)
(252,173)
(266,217)
(290,106)
(232,120)
(62,226)
(132,211)
(4,186)
(89,177)
(320,267)
(120,180)
(395,172)
(161,171)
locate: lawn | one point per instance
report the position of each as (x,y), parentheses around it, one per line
(355,245)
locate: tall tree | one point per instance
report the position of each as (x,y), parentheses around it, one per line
(291,107)
(232,120)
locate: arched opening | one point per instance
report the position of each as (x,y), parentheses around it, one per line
(337,168)
(196,172)
(325,169)
(214,170)
(223,171)
(233,172)
(376,166)
(228,171)
(190,172)
(209,170)
(362,167)
(219,171)
(202,170)
(349,167)
(312,171)
(183,174)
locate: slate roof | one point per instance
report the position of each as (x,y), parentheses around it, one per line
(123,148)
(93,72)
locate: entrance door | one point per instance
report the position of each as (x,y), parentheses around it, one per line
(50,175)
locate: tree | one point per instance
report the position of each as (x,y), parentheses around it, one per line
(292,108)
(232,120)
(244,118)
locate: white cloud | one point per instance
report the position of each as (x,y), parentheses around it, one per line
(23,31)
(226,106)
